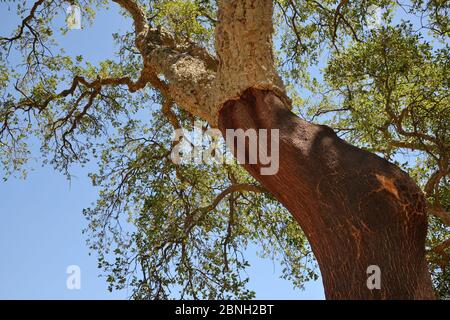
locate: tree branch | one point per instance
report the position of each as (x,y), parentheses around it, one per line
(440,213)
(139,16)
(25,22)
(339,16)
(199,213)
(440,250)
(231,189)
(187,68)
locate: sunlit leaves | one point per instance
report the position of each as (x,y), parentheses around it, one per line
(188,19)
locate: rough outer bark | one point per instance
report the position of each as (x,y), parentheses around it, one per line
(245,51)
(355,208)
(199,82)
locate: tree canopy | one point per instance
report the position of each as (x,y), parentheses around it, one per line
(377,72)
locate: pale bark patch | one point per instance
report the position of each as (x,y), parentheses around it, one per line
(245,51)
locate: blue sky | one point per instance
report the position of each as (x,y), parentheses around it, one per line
(41,219)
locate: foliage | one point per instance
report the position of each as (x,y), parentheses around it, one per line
(157,227)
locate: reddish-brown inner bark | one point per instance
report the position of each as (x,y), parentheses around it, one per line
(355,208)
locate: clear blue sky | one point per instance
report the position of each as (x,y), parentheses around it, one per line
(41,220)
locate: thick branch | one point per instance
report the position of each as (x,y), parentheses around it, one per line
(194,83)
(188,69)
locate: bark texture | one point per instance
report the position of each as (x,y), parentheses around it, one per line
(355,208)
(245,50)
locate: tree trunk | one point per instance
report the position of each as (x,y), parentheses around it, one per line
(355,208)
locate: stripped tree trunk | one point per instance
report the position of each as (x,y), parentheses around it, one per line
(355,208)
